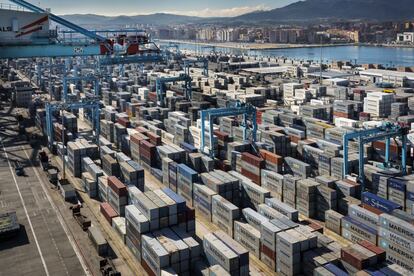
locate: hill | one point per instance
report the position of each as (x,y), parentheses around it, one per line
(151,19)
(311,10)
(301,12)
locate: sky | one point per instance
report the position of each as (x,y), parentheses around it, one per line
(206,8)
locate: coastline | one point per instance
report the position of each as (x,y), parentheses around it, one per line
(254,46)
(275,46)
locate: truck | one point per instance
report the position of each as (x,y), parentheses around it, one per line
(52,175)
(107,268)
(44,160)
(82,220)
(19,168)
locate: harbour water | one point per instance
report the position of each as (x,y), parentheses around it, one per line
(387,56)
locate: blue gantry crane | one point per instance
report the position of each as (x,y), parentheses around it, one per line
(160,87)
(122,47)
(234,109)
(92,104)
(386,131)
(60,66)
(90,78)
(200,60)
(170,51)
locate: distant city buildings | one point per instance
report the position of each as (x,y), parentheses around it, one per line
(405,38)
(333,33)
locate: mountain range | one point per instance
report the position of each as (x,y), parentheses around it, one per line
(301,11)
(310,10)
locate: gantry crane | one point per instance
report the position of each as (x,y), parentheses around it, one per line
(86,103)
(123,46)
(234,109)
(169,50)
(386,131)
(160,87)
(199,60)
(50,66)
(90,78)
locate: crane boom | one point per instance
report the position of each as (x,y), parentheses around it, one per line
(61,21)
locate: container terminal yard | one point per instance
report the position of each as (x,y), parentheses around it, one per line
(123,157)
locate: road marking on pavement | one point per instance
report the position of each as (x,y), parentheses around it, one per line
(25,210)
(59,216)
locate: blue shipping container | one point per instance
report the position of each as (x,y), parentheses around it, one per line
(360,225)
(373,272)
(181,205)
(188,147)
(187,172)
(335,270)
(397,184)
(379,202)
(202,202)
(410,196)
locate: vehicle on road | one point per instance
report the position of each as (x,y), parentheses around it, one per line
(19,169)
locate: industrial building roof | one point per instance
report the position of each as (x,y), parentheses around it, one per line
(329,74)
(267,70)
(381,73)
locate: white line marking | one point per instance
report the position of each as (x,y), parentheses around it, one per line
(25,210)
(59,216)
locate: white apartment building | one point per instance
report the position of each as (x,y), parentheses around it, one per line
(406,37)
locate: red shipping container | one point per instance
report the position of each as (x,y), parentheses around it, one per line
(108,212)
(259,117)
(268,252)
(223,165)
(316,227)
(271,157)
(152,96)
(342,115)
(255,178)
(146,267)
(354,258)
(221,136)
(142,130)
(146,145)
(154,138)
(137,137)
(372,209)
(117,186)
(254,160)
(190,213)
(124,121)
(381,254)
(380,145)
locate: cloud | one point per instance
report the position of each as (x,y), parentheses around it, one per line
(222,12)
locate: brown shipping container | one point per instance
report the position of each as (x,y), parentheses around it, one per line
(221,136)
(117,186)
(190,213)
(255,178)
(268,252)
(271,157)
(381,254)
(316,227)
(354,258)
(137,137)
(108,212)
(252,159)
(372,209)
(146,267)
(154,138)
(123,122)
(142,130)
(223,165)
